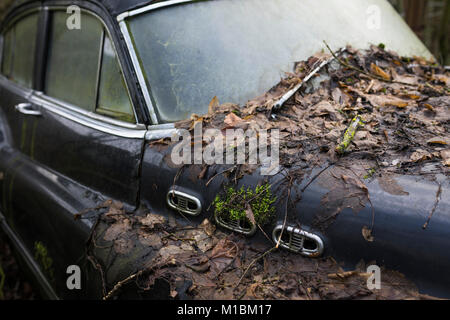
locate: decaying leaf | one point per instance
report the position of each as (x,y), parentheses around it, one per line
(438,140)
(117,229)
(367,234)
(232,120)
(208,227)
(249,214)
(445,155)
(152,220)
(213,105)
(391,186)
(379,72)
(420,155)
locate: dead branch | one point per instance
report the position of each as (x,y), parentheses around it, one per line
(438,198)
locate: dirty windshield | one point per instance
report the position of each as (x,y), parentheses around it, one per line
(237,50)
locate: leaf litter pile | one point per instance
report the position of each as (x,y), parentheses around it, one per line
(370,114)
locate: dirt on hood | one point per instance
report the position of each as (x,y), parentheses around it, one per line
(401,106)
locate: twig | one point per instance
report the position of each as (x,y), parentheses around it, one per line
(317,175)
(285,214)
(370,75)
(253,262)
(438,197)
(176,237)
(91,259)
(85,211)
(217,174)
(120,284)
(98,267)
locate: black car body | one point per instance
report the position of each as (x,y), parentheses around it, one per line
(63,152)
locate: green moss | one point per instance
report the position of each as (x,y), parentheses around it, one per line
(232,205)
(237,112)
(370,173)
(350,134)
(42,257)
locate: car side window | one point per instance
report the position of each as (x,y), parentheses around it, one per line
(83,69)
(7,52)
(113,99)
(19,49)
(73,58)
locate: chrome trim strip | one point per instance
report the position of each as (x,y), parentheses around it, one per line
(99,67)
(138,70)
(162,126)
(173,205)
(89,114)
(27,257)
(150,7)
(308,235)
(160,134)
(90,119)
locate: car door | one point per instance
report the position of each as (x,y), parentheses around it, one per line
(16,82)
(84,146)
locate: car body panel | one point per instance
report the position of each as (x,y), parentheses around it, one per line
(401,243)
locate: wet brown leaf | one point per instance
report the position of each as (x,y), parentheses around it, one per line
(367,234)
(379,72)
(232,120)
(213,105)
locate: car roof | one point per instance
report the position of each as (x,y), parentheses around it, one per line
(119,6)
(114,7)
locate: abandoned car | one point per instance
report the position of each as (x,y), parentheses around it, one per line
(90,90)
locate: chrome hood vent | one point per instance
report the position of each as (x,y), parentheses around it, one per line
(298,241)
(184,203)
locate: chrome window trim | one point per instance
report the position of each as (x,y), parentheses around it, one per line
(99,67)
(138,71)
(150,7)
(161,131)
(89,119)
(134,58)
(108,33)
